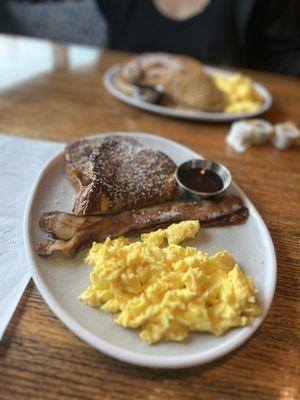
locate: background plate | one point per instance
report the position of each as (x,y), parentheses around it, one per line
(60,281)
(112,73)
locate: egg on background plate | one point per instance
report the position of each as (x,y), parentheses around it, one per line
(240,93)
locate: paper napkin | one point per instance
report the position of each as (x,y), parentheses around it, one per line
(20,162)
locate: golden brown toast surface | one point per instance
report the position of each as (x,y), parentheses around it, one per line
(185,83)
(116,173)
(150,69)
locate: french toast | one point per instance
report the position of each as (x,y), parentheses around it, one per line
(196,91)
(182,79)
(151,69)
(116,173)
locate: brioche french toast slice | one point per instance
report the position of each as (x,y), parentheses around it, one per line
(151,69)
(196,91)
(182,79)
(116,173)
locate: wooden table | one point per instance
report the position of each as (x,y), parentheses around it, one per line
(55,92)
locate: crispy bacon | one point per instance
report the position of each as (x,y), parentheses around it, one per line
(71,232)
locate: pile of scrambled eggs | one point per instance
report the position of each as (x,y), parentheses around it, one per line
(168,290)
(240,93)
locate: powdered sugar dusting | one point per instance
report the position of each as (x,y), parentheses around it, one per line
(130,173)
(120,173)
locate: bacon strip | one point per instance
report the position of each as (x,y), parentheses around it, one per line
(71,232)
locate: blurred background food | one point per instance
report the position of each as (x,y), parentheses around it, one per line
(239,92)
(182,80)
(184,83)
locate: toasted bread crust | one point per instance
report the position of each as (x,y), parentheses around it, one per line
(184,81)
(150,69)
(116,174)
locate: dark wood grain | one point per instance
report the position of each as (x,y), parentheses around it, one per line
(39,357)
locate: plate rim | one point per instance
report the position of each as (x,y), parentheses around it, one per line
(164,362)
(181,113)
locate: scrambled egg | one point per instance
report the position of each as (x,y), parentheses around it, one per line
(175,234)
(240,93)
(168,290)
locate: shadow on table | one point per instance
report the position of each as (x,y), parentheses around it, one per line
(12,328)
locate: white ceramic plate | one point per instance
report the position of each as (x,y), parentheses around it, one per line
(60,281)
(110,76)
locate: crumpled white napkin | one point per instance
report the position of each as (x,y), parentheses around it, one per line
(20,162)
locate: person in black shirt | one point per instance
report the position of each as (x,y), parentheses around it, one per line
(263,34)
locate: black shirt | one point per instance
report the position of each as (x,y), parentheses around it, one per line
(254,33)
(210,35)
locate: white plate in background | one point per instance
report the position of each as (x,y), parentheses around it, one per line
(113,72)
(60,281)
